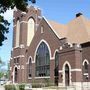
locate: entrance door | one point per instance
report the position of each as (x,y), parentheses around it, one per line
(67,76)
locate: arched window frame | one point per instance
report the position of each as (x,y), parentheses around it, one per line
(66,62)
(42,70)
(85,65)
(30,30)
(17,33)
(39,45)
(56,59)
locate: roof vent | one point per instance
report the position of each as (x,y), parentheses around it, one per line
(78,14)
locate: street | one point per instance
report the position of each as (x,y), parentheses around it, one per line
(2,87)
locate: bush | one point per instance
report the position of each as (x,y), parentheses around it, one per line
(48,82)
(10,87)
(37,85)
(22,87)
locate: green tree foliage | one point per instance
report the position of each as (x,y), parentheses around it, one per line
(1,64)
(0,61)
(1,74)
(4,6)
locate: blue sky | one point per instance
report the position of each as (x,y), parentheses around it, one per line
(61,11)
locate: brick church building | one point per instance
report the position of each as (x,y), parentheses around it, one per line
(44,49)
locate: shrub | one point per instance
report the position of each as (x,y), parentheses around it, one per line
(10,87)
(22,87)
(37,85)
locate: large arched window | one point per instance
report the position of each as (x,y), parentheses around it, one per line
(42,61)
(30,32)
(30,67)
(17,33)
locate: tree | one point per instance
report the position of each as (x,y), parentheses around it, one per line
(0,61)
(1,74)
(2,71)
(4,6)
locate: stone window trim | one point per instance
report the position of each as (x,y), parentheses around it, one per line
(85,66)
(42,77)
(63,71)
(29,77)
(85,74)
(29,59)
(85,60)
(20,46)
(47,46)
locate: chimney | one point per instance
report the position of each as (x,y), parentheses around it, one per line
(78,14)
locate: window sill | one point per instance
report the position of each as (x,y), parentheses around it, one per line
(85,74)
(42,77)
(29,77)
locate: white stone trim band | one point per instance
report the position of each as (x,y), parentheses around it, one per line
(72,70)
(42,77)
(19,56)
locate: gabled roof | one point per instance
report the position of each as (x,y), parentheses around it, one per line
(60,29)
(76,31)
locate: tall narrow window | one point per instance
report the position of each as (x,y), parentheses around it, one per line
(42,61)
(67,76)
(56,59)
(56,74)
(86,67)
(42,29)
(17,33)
(30,67)
(16,74)
(30,32)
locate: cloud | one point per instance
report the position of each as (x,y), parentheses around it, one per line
(8,15)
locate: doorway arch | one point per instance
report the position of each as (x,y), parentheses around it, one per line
(66,74)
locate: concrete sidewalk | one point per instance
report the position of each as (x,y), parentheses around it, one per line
(2,87)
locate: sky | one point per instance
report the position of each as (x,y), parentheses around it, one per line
(62,11)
